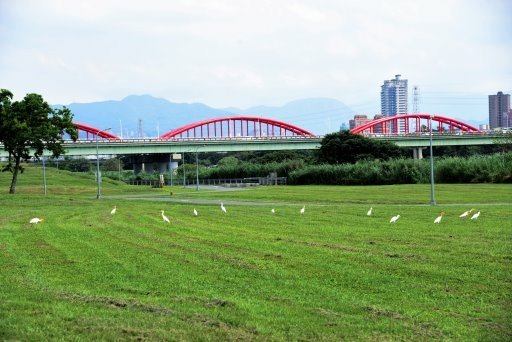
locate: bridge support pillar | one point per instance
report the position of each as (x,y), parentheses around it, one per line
(162,167)
(151,163)
(138,167)
(417,152)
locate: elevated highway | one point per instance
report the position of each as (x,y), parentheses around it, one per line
(275,143)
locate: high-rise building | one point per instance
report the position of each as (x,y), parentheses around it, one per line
(393,101)
(393,97)
(499,106)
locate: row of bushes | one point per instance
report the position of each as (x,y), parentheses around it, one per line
(238,170)
(495,168)
(247,169)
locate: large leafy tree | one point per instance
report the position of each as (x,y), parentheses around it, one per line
(346,147)
(30,126)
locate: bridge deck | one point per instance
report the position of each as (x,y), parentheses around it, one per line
(155,146)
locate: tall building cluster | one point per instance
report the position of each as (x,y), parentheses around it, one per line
(394,98)
(500,115)
(393,101)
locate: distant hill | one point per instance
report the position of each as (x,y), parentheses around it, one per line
(318,115)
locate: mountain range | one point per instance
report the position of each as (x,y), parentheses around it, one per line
(155,116)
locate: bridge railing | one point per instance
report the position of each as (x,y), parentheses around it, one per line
(197,139)
(286,138)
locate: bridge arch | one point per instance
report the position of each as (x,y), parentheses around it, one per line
(87,130)
(236,126)
(414,123)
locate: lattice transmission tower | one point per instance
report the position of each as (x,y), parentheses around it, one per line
(416,100)
(141,130)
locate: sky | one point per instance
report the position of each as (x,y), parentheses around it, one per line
(243,53)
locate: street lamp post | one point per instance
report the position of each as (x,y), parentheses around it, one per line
(44,175)
(197,173)
(432,190)
(98,180)
(170,169)
(183,164)
(119,160)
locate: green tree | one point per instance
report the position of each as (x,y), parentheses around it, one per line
(112,164)
(229,161)
(77,165)
(30,126)
(346,147)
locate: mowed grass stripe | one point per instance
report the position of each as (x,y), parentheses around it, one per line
(332,273)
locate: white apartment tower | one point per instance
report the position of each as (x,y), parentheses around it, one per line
(393,97)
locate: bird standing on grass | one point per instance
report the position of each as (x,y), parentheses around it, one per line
(223,208)
(165,218)
(466,213)
(195,212)
(439,218)
(475,216)
(36,220)
(369,213)
(303,210)
(113,210)
(394,219)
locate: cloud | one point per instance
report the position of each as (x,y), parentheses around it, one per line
(244,53)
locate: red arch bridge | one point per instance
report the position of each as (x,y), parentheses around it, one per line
(247,133)
(218,128)
(262,128)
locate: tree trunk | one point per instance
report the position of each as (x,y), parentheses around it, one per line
(12,190)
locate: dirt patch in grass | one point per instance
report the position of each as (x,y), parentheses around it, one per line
(375,312)
(232,332)
(218,303)
(320,244)
(425,329)
(117,303)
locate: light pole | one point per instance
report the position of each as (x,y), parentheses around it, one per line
(98,180)
(432,191)
(170,169)
(119,160)
(197,173)
(183,164)
(44,176)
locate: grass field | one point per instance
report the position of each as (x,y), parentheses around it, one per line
(330,274)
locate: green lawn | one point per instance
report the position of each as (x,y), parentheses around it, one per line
(332,273)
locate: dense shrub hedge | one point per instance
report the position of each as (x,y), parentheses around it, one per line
(495,168)
(247,169)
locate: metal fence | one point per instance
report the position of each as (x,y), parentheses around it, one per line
(226,182)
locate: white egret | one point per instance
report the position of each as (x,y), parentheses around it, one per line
(195,212)
(273,211)
(475,216)
(369,213)
(113,210)
(165,218)
(303,210)
(466,213)
(394,219)
(36,220)
(439,218)
(223,208)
